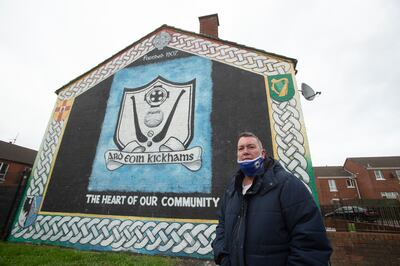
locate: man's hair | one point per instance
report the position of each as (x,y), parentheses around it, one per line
(251,134)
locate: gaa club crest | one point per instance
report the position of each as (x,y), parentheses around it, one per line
(155,126)
(29,211)
(281,87)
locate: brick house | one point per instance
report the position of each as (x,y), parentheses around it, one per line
(377,177)
(359,178)
(334,184)
(14,160)
(15,163)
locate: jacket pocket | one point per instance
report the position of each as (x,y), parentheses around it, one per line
(225,261)
(261,260)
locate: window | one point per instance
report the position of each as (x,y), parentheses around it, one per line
(350,183)
(398,174)
(3,171)
(379,175)
(335,201)
(389,195)
(332,185)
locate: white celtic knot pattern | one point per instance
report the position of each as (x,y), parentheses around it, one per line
(123,234)
(290,141)
(251,61)
(108,69)
(45,159)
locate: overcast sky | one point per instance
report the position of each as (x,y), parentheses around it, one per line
(349,50)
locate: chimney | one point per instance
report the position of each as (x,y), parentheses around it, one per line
(209,25)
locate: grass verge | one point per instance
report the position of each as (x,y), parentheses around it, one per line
(28,254)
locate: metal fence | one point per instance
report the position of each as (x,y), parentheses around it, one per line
(362,218)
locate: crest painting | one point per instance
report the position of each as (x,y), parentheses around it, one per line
(156,131)
(143,131)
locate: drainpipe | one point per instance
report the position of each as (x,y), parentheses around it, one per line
(358,191)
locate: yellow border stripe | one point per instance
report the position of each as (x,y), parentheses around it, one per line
(271,120)
(57,148)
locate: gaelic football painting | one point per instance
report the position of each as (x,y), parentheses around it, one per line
(139,149)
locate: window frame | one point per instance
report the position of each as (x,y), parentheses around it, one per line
(350,183)
(397,172)
(390,195)
(335,201)
(3,175)
(332,185)
(379,175)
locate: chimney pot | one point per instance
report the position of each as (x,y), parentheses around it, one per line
(209,25)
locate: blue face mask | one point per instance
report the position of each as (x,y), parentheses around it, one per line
(251,167)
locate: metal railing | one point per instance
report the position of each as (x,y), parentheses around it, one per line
(362,218)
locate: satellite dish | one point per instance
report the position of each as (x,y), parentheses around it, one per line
(308,92)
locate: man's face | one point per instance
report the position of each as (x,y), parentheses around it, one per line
(248,149)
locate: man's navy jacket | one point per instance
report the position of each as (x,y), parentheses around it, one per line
(275,223)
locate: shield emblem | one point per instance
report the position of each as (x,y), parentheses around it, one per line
(154,114)
(29,211)
(281,87)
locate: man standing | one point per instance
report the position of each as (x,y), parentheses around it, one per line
(267,215)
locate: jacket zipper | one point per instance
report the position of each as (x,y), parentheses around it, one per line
(237,232)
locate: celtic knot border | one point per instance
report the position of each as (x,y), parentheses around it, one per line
(44,159)
(186,238)
(242,58)
(106,70)
(291,147)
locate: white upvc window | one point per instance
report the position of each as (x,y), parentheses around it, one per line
(398,173)
(332,185)
(379,175)
(3,171)
(389,195)
(350,183)
(335,200)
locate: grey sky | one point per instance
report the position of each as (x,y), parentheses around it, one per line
(346,49)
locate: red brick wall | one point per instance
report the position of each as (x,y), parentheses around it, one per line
(344,193)
(390,184)
(363,181)
(209,25)
(369,187)
(14,172)
(322,190)
(364,248)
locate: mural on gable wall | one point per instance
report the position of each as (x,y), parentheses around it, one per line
(139,150)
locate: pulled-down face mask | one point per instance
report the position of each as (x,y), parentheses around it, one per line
(251,167)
